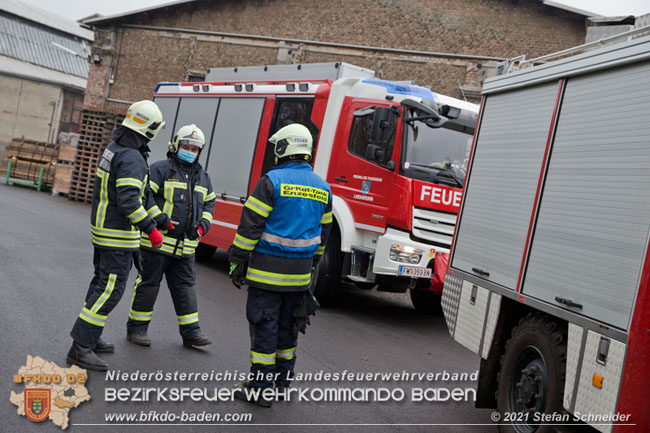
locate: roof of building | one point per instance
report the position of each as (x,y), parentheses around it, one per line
(103,19)
(29,41)
(45,18)
(19,69)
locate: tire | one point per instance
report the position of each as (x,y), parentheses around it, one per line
(533,370)
(426,302)
(204,252)
(328,278)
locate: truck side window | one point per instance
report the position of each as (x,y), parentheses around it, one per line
(288,111)
(360,139)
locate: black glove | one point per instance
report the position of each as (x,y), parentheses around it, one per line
(194,233)
(238,274)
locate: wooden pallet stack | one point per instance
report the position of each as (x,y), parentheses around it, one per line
(27,157)
(96,129)
(65,162)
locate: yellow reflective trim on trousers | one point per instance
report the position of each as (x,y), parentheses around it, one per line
(278,279)
(188,318)
(138,215)
(262,358)
(108,289)
(154,186)
(258,206)
(327,218)
(244,243)
(103,197)
(118,243)
(286,354)
(92,318)
(141,316)
(320,250)
(128,181)
(138,280)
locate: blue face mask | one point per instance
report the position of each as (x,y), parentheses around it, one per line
(186,156)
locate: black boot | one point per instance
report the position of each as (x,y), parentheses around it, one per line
(85,357)
(104,346)
(196,340)
(139,338)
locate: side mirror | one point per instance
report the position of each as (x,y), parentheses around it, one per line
(381,125)
(374,152)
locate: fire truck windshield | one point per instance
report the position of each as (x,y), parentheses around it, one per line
(438,155)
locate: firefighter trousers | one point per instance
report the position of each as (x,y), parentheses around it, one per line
(273,342)
(112,269)
(180,274)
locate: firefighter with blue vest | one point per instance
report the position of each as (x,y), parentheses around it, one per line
(280,238)
(182,203)
(118,216)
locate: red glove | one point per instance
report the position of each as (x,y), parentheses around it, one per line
(171,226)
(200,230)
(155,238)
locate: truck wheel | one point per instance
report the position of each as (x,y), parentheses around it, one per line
(532,374)
(328,279)
(426,302)
(204,252)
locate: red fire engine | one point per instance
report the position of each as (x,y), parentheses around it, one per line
(395,155)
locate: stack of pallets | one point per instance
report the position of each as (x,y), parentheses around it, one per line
(29,160)
(96,129)
(65,162)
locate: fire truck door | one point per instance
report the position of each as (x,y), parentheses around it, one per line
(364,169)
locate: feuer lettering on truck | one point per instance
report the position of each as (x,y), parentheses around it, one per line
(444,196)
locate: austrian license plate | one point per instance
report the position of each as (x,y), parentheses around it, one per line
(414,272)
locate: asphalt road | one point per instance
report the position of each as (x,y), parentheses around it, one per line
(45,268)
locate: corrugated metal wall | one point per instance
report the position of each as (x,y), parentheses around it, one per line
(30,42)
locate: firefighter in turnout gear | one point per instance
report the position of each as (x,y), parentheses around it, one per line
(117,219)
(281,236)
(182,203)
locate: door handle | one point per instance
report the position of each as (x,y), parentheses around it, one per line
(568,302)
(341,179)
(481,272)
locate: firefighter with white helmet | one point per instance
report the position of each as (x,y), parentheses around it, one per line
(280,238)
(182,203)
(118,217)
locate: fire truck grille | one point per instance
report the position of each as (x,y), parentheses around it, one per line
(433,226)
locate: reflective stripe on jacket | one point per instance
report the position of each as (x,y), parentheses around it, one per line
(118,214)
(284,224)
(181,192)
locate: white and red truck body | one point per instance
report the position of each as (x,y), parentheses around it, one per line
(549,276)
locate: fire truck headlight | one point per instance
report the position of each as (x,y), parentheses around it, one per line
(405,254)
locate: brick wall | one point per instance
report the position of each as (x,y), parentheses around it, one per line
(137,59)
